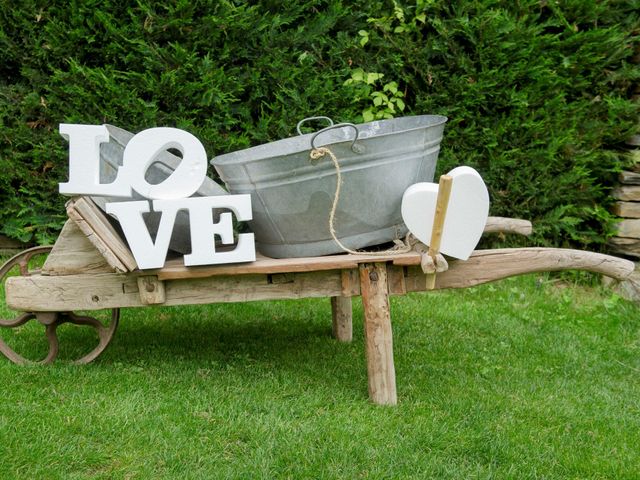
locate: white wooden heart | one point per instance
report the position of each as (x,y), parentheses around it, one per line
(466,217)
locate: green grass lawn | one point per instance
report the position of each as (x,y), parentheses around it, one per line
(525,378)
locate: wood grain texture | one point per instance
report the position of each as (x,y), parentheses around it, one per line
(100,232)
(442,201)
(629,228)
(350,282)
(508,225)
(176,270)
(74,253)
(627,193)
(342,318)
(151,290)
(110,257)
(395,279)
(102,290)
(444,193)
(629,178)
(490,265)
(378,335)
(627,209)
(97,291)
(627,246)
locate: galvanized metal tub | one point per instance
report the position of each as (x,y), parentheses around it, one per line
(292,196)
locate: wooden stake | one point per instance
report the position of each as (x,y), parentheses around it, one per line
(378,336)
(444,193)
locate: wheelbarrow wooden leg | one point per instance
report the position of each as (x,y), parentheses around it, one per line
(341,313)
(378,335)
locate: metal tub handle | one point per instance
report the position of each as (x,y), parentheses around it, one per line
(355,148)
(309,119)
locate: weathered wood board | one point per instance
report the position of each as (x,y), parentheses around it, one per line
(104,290)
(626,246)
(74,253)
(100,291)
(629,178)
(93,223)
(627,209)
(629,228)
(627,193)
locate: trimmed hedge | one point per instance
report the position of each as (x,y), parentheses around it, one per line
(537,92)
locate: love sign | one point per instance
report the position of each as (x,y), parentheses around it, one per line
(167,197)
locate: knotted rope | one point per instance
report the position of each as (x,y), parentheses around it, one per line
(400,246)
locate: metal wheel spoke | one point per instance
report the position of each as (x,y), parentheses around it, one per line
(54,345)
(15,357)
(18,321)
(105,334)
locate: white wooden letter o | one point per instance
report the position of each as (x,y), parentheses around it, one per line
(142,150)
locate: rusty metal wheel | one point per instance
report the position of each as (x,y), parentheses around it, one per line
(28,263)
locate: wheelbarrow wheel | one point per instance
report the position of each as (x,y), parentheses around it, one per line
(28,263)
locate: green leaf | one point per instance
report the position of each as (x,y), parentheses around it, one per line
(357,75)
(391,87)
(367,115)
(373,77)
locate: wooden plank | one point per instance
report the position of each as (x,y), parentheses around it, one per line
(74,253)
(97,291)
(108,233)
(350,282)
(626,246)
(104,250)
(629,178)
(627,209)
(101,232)
(508,225)
(627,193)
(103,290)
(629,228)
(176,270)
(378,335)
(342,318)
(151,290)
(395,279)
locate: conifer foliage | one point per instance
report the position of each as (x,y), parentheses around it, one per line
(538,93)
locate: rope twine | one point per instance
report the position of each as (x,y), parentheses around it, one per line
(400,246)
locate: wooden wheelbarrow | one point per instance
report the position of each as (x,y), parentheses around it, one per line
(90,267)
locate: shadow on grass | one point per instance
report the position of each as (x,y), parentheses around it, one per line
(288,338)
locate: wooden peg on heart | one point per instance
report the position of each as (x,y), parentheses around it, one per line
(467,210)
